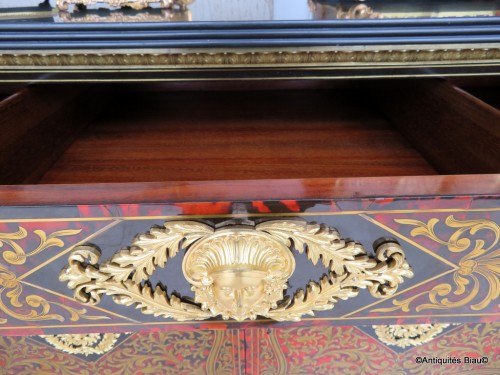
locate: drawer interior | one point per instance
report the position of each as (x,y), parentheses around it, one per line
(147,133)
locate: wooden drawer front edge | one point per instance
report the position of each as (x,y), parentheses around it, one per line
(257,190)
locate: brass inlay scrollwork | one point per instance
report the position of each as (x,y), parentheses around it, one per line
(23,355)
(32,307)
(18,255)
(238,270)
(408,334)
(481,260)
(84,344)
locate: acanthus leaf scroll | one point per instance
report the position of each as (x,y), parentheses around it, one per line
(237,270)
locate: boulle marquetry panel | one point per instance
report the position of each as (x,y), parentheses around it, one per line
(451,244)
(351,350)
(173,352)
(470,348)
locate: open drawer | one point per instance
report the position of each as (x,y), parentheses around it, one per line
(412,163)
(148,133)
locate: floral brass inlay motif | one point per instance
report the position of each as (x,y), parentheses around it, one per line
(409,334)
(482,260)
(299,350)
(85,344)
(25,356)
(348,350)
(238,270)
(32,307)
(168,353)
(327,350)
(18,256)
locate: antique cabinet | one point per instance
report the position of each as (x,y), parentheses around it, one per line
(146,134)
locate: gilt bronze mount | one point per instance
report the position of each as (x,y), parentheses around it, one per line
(84,344)
(408,334)
(134,4)
(238,270)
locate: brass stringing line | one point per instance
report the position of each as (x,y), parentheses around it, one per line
(240,67)
(235,340)
(299,78)
(50,220)
(280,356)
(74,300)
(254,339)
(50,260)
(416,244)
(29,69)
(46,306)
(455,327)
(21,15)
(233,334)
(398,316)
(262,67)
(253,321)
(371,337)
(214,352)
(264,214)
(398,293)
(258,335)
(239,343)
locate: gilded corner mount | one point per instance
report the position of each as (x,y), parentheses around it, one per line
(408,334)
(238,270)
(84,344)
